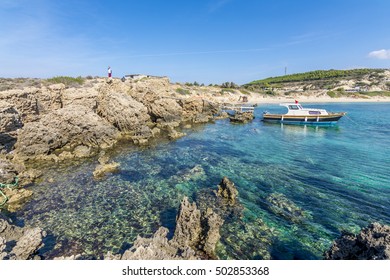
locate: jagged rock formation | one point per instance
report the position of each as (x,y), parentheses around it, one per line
(371,243)
(19,243)
(228,191)
(195,237)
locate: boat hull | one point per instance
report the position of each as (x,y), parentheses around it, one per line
(330,119)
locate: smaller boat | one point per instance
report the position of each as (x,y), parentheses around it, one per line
(298,115)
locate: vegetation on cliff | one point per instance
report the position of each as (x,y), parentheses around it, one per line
(319,75)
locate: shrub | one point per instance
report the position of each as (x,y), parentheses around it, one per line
(332,94)
(182,91)
(67,81)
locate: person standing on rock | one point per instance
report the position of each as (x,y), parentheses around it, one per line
(109,72)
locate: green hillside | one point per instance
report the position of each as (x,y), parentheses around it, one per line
(318,75)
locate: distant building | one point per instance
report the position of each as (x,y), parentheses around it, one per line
(139,77)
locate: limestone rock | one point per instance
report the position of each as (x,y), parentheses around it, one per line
(371,243)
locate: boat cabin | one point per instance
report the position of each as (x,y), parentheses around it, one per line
(297,109)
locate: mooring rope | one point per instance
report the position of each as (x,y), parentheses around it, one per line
(8,186)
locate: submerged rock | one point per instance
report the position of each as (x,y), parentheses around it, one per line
(371,243)
(281,205)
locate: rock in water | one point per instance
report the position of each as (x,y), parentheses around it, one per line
(227,190)
(188,228)
(372,243)
(242,117)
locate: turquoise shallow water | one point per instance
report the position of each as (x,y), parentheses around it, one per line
(338,177)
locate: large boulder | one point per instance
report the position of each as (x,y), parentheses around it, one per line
(121,110)
(70,126)
(371,243)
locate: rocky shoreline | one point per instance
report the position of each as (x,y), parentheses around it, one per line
(56,123)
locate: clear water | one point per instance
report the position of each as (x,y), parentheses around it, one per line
(337,176)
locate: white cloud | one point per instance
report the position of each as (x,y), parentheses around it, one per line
(380,54)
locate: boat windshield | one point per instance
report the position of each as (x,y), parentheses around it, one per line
(294,107)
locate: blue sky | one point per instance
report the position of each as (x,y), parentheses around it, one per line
(209,41)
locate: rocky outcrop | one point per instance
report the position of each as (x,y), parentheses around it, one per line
(195,237)
(228,191)
(19,243)
(70,126)
(242,117)
(371,243)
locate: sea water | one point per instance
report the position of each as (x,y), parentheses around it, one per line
(327,180)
